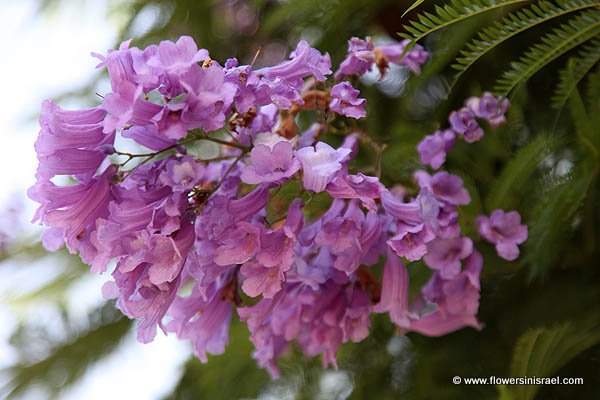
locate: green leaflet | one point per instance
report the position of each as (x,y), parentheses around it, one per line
(562,39)
(593,95)
(575,71)
(542,352)
(551,222)
(513,24)
(412,7)
(455,11)
(69,360)
(509,187)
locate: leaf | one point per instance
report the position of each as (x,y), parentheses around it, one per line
(593,98)
(542,352)
(68,361)
(552,220)
(412,7)
(504,193)
(281,199)
(584,127)
(562,39)
(576,69)
(456,11)
(512,25)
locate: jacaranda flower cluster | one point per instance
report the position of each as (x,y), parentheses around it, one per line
(189,241)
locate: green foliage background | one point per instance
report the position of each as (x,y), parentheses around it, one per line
(541,313)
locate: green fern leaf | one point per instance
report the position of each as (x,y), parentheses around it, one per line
(551,222)
(562,39)
(587,131)
(593,93)
(577,69)
(504,193)
(455,11)
(513,24)
(412,7)
(542,352)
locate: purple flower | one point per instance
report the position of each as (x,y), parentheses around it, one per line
(413,58)
(71,142)
(409,213)
(166,255)
(394,292)
(345,101)
(126,106)
(208,100)
(362,55)
(139,298)
(275,257)
(504,229)
(446,187)
(348,234)
(359,186)
(411,241)
(119,64)
(176,59)
(305,61)
(71,212)
(320,164)
(238,245)
(261,280)
(445,255)
(148,137)
(203,318)
(359,60)
(488,107)
(463,122)
(68,129)
(182,175)
(433,148)
(456,301)
(271,164)
(281,92)
(415,223)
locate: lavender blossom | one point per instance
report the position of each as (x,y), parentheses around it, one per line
(345,101)
(504,229)
(445,255)
(433,148)
(465,125)
(456,301)
(320,164)
(488,107)
(413,59)
(394,292)
(362,55)
(275,164)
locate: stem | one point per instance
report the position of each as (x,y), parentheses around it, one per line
(233,164)
(197,135)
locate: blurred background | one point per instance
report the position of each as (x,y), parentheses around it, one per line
(60,339)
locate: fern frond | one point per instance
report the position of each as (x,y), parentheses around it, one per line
(551,222)
(544,351)
(412,7)
(587,131)
(455,11)
(514,176)
(592,97)
(593,92)
(562,39)
(572,74)
(513,24)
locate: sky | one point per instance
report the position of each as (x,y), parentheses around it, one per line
(45,55)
